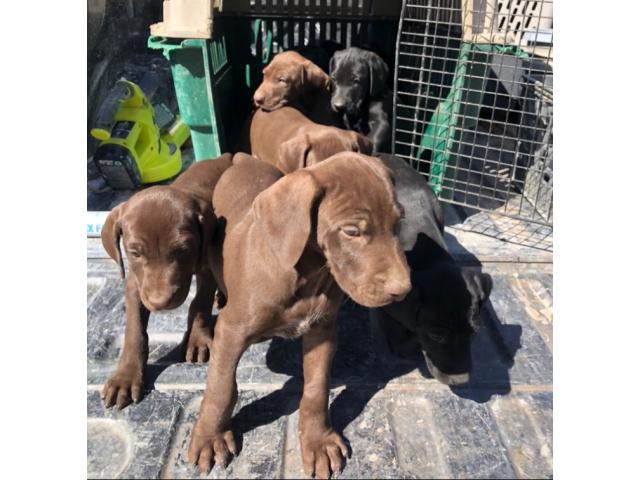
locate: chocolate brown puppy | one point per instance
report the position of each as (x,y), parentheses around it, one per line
(290,79)
(292,245)
(290,141)
(165,231)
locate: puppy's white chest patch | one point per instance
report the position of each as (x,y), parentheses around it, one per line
(305,324)
(299,319)
(299,326)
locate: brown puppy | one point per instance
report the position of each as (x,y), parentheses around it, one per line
(292,244)
(291,79)
(290,141)
(165,231)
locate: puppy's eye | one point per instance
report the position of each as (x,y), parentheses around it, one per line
(134,254)
(350,230)
(356,80)
(282,80)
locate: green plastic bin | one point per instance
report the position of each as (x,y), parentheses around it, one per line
(200,74)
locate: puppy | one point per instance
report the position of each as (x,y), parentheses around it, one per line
(290,79)
(360,94)
(291,246)
(442,312)
(289,140)
(165,231)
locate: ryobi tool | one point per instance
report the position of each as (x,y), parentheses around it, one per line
(140,143)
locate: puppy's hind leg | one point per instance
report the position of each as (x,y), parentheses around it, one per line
(200,321)
(126,383)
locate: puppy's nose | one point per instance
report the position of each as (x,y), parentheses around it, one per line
(397,289)
(160,300)
(258,99)
(337,104)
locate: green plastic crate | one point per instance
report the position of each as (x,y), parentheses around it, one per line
(201,75)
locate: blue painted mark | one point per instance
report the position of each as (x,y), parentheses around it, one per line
(94,228)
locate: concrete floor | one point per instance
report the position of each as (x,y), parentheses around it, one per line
(399,421)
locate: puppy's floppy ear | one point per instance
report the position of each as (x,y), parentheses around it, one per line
(313,78)
(283,213)
(111,233)
(479,286)
(378,73)
(292,154)
(361,144)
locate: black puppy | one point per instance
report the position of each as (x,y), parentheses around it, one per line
(359,93)
(442,312)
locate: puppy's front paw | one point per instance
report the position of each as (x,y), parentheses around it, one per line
(323,454)
(198,345)
(207,449)
(123,387)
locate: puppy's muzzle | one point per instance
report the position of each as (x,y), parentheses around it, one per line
(258,99)
(157,301)
(397,289)
(447,379)
(338,105)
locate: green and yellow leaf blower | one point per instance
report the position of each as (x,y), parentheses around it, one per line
(134,150)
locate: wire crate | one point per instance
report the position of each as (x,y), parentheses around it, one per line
(474,102)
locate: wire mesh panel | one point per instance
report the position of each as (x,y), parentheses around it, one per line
(474,102)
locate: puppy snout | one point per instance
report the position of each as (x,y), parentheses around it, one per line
(258,98)
(338,104)
(397,289)
(160,300)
